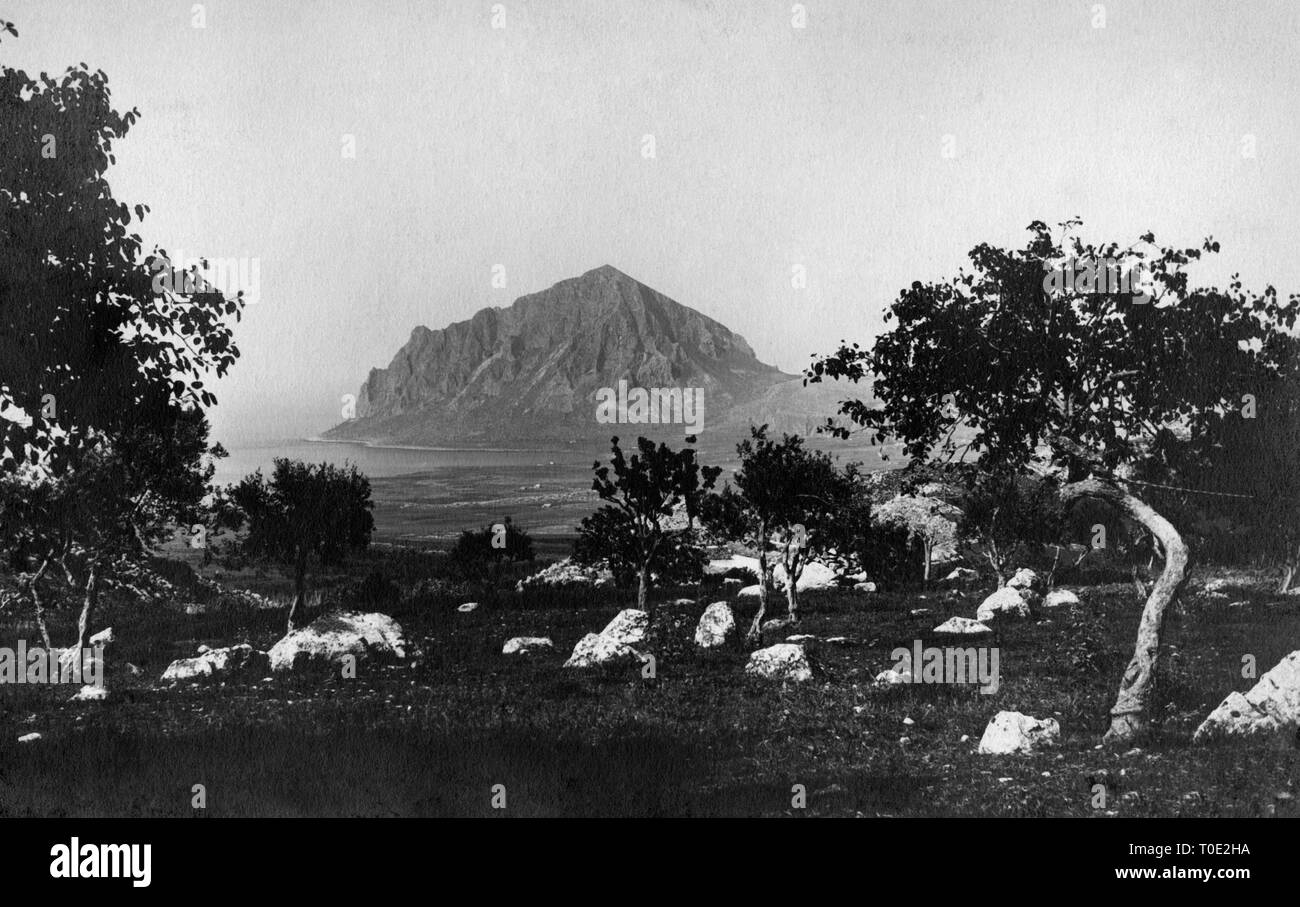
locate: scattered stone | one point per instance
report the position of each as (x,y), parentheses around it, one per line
(1015,732)
(1024,579)
(328,639)
(227,662)
(526,645)
(919,612)
(961,574)
(467,607)
(716,626)
(908,721)
(28,738)
(203,648)
(784,661)
(750,591)
(103,637)
(1006,602)
(733,581)
(864,587)
(568,573)
(718,566)
(90,693)
(814,576)
(1060,598)
(614,643)
(1270,707)
(965,738)
(962,626)
(890,677)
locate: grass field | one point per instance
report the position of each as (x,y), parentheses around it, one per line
(433,736)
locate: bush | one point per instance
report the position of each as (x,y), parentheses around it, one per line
(477,551)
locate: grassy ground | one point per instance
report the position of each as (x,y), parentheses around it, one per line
(433,737)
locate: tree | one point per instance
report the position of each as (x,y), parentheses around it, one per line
(101,365)
(304,511)
(795,496)
(1088,379)
(1003,512)
(493,544)
(643,496)
(928,520)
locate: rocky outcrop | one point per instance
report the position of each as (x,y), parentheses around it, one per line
(329,639)
(567,573)
(1006,602)
(231,661)
(1271,706)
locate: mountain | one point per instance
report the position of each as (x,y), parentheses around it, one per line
(547,371)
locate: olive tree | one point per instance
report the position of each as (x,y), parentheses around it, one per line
(1085,375)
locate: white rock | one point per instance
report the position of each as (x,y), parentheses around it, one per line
(733,581)
(202,649)
(1024,579)
(526,645)
(961,574)
(859,577)
(801,639)
(89,693)
(864,587)
(716,626)
(103,637)
(750,591)
(815,575)
(963,626)
(890,677)
(328,639)
(722,565)
(567,573)
(1006,602)
(614,643)
(232,660)
(1058,598)
(783,661)
(467,607)
(1271,706)
(1015,732)
(28,738)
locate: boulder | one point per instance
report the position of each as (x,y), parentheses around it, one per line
(227,662)
(89,693)
(750,591)
(327,640)
(890,677)
(613,644)
(1006,602)
(716,626)
(962,626)
(1061,598)
(815,575)
(29,738)
(864,587)
(1272,706)
(1024,579)
(961,574)
(567,573)
(784,661)
(1016,732)
(526,645)
(719,566)
(467,607)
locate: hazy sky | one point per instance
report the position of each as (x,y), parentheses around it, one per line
(874,146)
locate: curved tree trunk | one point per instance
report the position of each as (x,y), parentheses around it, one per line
(755,629)
(1128,716)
